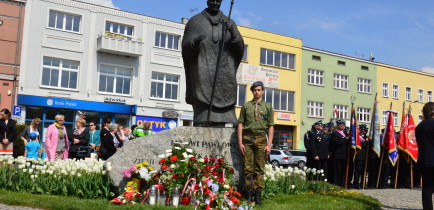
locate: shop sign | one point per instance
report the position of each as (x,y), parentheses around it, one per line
(186,117)
(115,100)
(248,74)
(74,104)
(157,123)
(283,116)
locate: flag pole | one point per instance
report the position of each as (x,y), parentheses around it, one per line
(381,166)
(369,146)
(347,168)
(411,159)
(396,173)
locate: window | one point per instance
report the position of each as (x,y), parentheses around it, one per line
(278,59)
(60,73)
(281,100)
(316,58)
(364,114)
(117,28)
(394,115)
(384,117)
(429,96)
(315,109)
(395,92)
(420,119)
(340,81)
(408,93)
(395,118)
(365,68)
(341,110)
(364,85)
(341,63)
(385,89)
(164,86)
(167,41)
(245,55)
(63,21)
(420,96)
(315,77)
(241,94)
(115,79)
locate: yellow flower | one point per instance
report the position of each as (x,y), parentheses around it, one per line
(145,163)
(150,168)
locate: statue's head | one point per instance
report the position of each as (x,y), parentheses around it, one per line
(214,5)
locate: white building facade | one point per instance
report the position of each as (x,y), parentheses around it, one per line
(84,59)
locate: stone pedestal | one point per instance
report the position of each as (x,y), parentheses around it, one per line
(206,142)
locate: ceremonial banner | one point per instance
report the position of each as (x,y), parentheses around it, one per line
(389,138)
(375,130)
(407,138)
(354,131)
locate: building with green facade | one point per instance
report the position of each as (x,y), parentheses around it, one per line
(329,80)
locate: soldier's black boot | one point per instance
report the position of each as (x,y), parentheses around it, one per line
(258,198)
(250,196)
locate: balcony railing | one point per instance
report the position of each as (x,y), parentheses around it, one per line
(119,44)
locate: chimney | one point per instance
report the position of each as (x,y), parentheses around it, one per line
(184,20)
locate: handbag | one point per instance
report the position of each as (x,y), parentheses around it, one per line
(83,151)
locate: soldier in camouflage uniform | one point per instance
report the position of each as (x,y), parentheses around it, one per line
(256,117)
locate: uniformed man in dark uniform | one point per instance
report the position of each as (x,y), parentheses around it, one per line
(329,131)
(339,147)
(360,158)
(309,160)
(318,147)
(256,118)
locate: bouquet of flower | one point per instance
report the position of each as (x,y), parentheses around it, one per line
(207,182)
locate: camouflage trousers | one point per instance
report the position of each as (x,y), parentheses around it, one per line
(254,161)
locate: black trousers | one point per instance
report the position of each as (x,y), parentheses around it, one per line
(339,172)
(358,173)
(321,164)
(427,188)
(373,166)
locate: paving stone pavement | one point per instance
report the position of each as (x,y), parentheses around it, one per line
(397,198)
(5,207)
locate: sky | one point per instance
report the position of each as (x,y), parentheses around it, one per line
(397,32)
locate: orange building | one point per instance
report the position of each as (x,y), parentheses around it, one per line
(11,28)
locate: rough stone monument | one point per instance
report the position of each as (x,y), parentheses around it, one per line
(206,142)
(212,49)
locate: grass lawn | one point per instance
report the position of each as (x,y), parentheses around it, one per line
(278,202)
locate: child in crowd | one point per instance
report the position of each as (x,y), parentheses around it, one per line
(33,148)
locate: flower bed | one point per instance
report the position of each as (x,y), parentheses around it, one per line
(84,178)
(183,179)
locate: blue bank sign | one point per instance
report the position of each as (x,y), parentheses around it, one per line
(157,123)
(75,104)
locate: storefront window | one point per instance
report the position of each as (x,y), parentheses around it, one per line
(69,114)
(34,112)
(50,114)
(92,116)
(283,137)
(122,119)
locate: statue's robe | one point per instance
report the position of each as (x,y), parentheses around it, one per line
(200,64)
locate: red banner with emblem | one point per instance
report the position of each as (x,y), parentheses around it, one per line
(407,138)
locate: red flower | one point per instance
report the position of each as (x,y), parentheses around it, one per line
(218,165)
(205,160)
(237,194)
(208,167)
(193,159)
(214,173)
(212,159)
(174,158)
(231,170)
(156,179)
(220,160)
(164,167)
(235,200)
(163,160)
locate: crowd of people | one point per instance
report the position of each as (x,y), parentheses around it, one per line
(327,148)
(84,141)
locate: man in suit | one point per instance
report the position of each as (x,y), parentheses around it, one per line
(425,162)
(339,141)
(360,158)
(318,147)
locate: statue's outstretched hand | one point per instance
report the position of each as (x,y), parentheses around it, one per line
(229,27)
(198,39)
